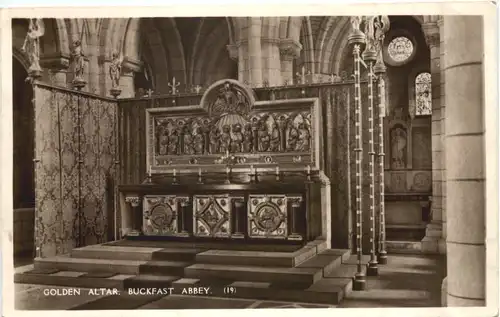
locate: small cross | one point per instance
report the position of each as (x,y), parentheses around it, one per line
(197,88)
(149,92)
(174,86)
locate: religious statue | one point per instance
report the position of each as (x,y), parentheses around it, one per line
(214,141)
(237,139)
(356,22)
(304,140)
(78,60)
(163,140)
(188,141)
(198,141)
(115,69)
(225,139)
(398,147)
(247,139)
(173,142)
(275,138)
(31,45)
(264,138)
(293,137)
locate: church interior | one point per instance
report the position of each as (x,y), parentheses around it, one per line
(287,159)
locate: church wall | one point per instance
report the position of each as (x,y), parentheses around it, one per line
(408,137)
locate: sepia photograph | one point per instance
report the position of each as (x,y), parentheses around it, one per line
(247,162)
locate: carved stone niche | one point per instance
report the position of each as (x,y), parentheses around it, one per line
(230,127)
(398,144)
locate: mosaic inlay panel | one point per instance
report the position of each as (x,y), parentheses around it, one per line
(212,216)
(160,215)
(267,216)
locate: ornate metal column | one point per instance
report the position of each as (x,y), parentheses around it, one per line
(375,28)
(357,38)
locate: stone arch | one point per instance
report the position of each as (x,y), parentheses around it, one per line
(307,41)
(332,30)
(210,46)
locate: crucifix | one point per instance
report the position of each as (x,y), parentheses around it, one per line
(174,85)
(149,92)
(197,88)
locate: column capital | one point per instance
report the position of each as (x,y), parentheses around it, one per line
(55,61)
(290,48)
(431,33)
(233,51)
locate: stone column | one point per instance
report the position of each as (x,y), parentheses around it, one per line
(465,161)
(271,66)
(289,50)
(57,69)
(440,23)
(433,241)
(254,51)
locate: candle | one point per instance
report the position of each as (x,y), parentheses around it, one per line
(308,169)
(149,172)
(199,172)
(227,169)
(277,170)
(175,172)
(251,169)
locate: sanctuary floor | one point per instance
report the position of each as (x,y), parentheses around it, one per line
(406,281)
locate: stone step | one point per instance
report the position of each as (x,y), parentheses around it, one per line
(296,276)
(257,258)
(73,279)
(324,291)
(64,263)
(164,268)
(134,253)
(150,281)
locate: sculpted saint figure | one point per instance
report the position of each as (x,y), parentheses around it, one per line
(237,139)
(248,139)
(225,139)
(31,44)
(275,139)
(303,143)
(163,140)
(173,142)
(214,141)
(78,60)
(198,141)
(264,138)
(398,147)
(293,137)
(115,69)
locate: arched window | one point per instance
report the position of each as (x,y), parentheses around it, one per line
(423,94)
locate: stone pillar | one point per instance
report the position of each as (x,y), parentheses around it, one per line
(289,50)
(57,69)
(440,23)
(433,241)
(465,161)
(254,51)
(271,66)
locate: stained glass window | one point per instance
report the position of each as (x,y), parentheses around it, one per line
(400,49)
(423,94)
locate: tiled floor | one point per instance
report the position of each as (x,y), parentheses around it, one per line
(406,281)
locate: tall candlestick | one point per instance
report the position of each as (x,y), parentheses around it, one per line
(175,172)
(277,170)
(308,169)
(199,172)
(149,171)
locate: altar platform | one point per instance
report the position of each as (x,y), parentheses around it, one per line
(281,272)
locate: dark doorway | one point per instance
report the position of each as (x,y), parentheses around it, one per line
(23,124)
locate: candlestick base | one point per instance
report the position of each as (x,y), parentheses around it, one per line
(174,181)
(200,180)
(148,180)
(382,257)
(359,283)
(372,268)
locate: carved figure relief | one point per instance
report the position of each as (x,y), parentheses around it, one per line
(163,140)
(303,143)
(198,141)
(264,138)
(225,139)
(267,216)
(215,136)
(398,147)
(275,138)
(115,69)
(237,139)
(188,141)
(247,141)
(173,142)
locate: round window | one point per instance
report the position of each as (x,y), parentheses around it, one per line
(400,49)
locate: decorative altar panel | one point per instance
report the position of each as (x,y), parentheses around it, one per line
(262,134)
(75,155)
